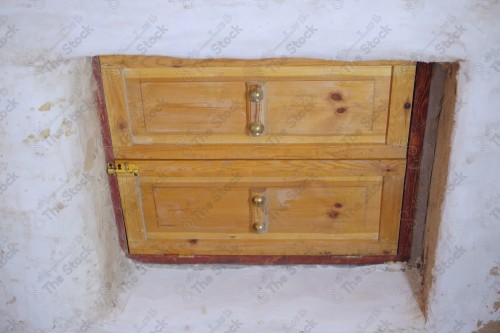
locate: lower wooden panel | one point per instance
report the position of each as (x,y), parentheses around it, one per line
(311,207)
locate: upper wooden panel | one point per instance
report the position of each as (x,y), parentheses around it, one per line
(189,109)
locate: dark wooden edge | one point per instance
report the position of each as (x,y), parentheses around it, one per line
(265,259)
(108,152)
(414,154)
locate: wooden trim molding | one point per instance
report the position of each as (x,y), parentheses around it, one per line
(265,260)
(108,152)
(414,154)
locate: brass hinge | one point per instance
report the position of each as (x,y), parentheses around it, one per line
(123,169)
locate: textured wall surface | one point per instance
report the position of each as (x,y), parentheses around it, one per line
(61,269)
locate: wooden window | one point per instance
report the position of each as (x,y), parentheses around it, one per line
(262,161)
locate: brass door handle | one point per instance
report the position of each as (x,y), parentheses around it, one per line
(258,211)
(256,109)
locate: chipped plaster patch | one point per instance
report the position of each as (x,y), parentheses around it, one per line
(45,107)
(490,327)
(30,138)
(45,133)
(90,154)
(496,306)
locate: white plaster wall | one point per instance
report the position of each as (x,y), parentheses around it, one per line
(61,269)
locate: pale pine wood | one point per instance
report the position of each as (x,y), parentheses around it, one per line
(116,107)
(194,107)
(307,201)
(302,111)
(209,209)
(242,73)
(392,198)
(331,163)
(224,246)
(253,64)
(402,93)
(339,148)
(307,108)
(132,209)
(287,170)
(135,109)
(203,114)
(312,209)
(197,139)
(310,236)
(297,208)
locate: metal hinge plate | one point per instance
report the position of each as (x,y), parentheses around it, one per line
(126,169)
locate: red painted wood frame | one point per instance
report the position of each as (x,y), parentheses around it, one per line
(414,153)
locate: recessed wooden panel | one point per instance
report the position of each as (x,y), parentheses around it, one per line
(326,209)
(212,209)
(331,211)
(193,108)
(328,108)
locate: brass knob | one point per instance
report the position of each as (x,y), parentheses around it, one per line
(259,228)
(256,95)
(256,129)
(258,200)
